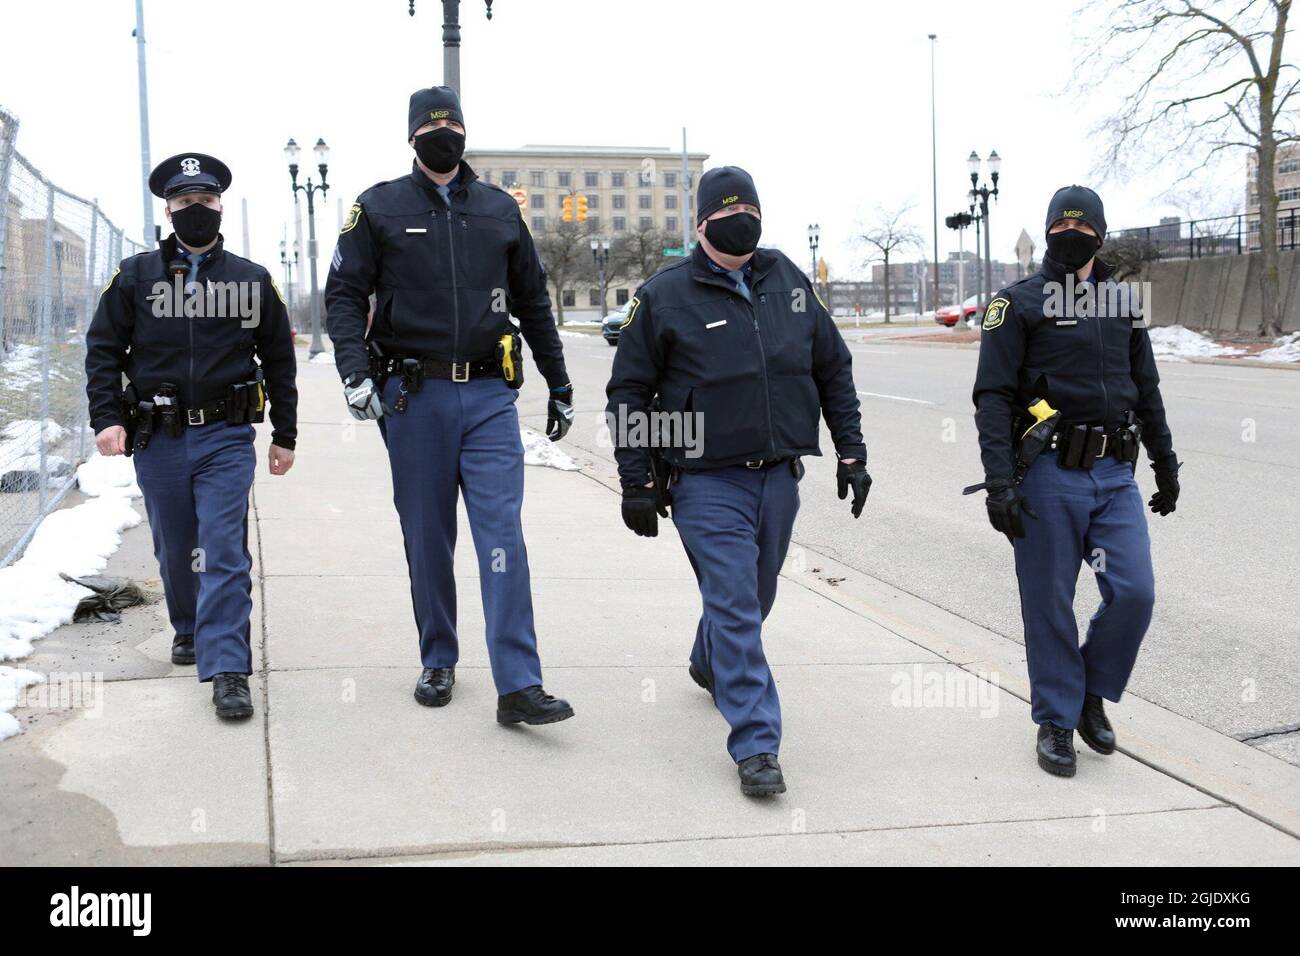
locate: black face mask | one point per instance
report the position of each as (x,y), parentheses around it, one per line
(1072,248)
(196,224)
(440,149)
(736,235)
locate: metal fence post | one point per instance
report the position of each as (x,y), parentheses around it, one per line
(8,144)
(47,304)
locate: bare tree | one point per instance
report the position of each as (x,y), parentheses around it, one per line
(565,253)
(1217,84)
(1128,255)
(639,253)
(884,233)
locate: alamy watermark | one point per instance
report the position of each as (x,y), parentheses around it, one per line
(638,428)
(1073,300)
(236,299)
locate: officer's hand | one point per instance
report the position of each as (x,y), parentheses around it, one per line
(363,397)
(853,473)
(1165,500)
(559,413)
(111,441)
(640,509)
(280,459)
(1006,504)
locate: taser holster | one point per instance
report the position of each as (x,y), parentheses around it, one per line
(510,355)
(1035,438)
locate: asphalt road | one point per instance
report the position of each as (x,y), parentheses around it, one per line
(1224,646)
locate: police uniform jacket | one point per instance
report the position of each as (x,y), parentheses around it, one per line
(203,355)
(446,278)
(759,373)
(1092,369)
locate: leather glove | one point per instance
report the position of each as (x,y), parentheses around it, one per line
(1007,505)
(853,474)
(640,507)
(1165,500)
(364,400)
(559,412)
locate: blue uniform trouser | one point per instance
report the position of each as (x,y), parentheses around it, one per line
(195,489)
(463,437)
(735,524)
(1084,516)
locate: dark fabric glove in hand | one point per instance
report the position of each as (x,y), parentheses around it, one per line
(559,412)
(640,508)
(854,473)
(1165,500)
(1006,504)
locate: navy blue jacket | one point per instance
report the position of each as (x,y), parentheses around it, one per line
(1091,369)
(446,279)
(759,373)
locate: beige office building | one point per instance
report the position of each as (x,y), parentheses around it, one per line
(1286,179)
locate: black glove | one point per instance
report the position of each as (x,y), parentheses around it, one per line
(1165,500)
(854,473)
(640,507)
(1005,504)
(559,412)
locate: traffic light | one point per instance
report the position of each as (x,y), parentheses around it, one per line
(567,215)
(582,209)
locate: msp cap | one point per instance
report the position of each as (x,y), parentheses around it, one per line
(1077,202)
(437,102)
(189,173)
(723,186)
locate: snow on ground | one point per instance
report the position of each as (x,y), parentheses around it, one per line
(322,358)
(34,600)
(1177,343)
(574,335)
(21,368)
(1285,349)
(21,438)
(539,450)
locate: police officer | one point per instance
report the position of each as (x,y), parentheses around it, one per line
(449,259)
(1072,338)
(734,353)
(186,324)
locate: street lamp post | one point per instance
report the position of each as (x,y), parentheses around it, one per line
(814,240)
(600,255)
(451,39)
(290,263)
(983,193)
(979,256)
(291,152)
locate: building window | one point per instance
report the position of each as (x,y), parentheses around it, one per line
(670,201)
(591,180)
(670,180)
(1288,195)
(569,298)
(593,298)
(647,222)
(620,224)
(643,201)
(593,201)
(620,201)
(537,200)
(539,224)
(487,175)
(566,179)
(620,296)
(537,178)
(1288,166)
(616,180)
(670,223)
(509,177)
(593,223)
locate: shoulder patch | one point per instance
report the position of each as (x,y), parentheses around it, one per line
(278,293)
(631,312)
(109,284)
(995,313)
(354,214)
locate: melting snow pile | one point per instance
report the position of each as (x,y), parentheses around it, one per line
(1285,349)
(322,358)
(1176,342)
(539,450)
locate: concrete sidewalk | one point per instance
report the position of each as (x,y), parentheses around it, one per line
(908,738)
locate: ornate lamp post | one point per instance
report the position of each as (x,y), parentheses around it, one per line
(292,152)
(600,255)
(982,193)
(289,263)
(451,39)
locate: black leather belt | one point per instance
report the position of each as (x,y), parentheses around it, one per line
(756,463)
(437,368)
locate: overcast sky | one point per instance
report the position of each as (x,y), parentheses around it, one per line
(826,103)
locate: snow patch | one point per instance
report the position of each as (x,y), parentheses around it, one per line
(540,450)
(1176,342)
(1285,349)
(322,358)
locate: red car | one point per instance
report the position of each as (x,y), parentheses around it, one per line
(950,315)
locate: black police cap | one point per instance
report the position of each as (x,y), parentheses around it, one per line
(436,102)
(724,186)
(189,173)
(1077,202)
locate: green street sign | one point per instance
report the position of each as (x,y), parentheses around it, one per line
(673,252)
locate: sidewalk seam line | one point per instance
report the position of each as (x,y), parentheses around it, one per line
(264,673)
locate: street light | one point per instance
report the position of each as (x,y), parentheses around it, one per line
(814,240)
(451,39)
(600,255)
(983,193)
(289,263)
(291,153)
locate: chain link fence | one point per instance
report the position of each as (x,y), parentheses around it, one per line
(57,251)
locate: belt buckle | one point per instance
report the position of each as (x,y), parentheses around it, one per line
(463,376)
(755,464)
(191,412)
(1105,437)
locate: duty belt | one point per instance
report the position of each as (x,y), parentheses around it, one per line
(1079,446)
(437,368)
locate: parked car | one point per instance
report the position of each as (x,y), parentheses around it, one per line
(951,315)
(612,323)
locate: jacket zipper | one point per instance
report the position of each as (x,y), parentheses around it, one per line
(455,295)
(1101,364)
(762,357)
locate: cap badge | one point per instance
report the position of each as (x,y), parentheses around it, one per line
(190,166)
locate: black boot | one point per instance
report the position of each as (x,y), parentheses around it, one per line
(532,705)
(1056,750)
(700,679)
(1094,728)
(433,689)
(760,776)
(183,649)
(231,696)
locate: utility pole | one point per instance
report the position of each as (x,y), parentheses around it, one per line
(243,206)
(686,199)
(934,174)
(146,165)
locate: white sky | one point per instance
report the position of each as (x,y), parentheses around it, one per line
(826,103)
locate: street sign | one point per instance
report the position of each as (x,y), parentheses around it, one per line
(521,197)
(677,252)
